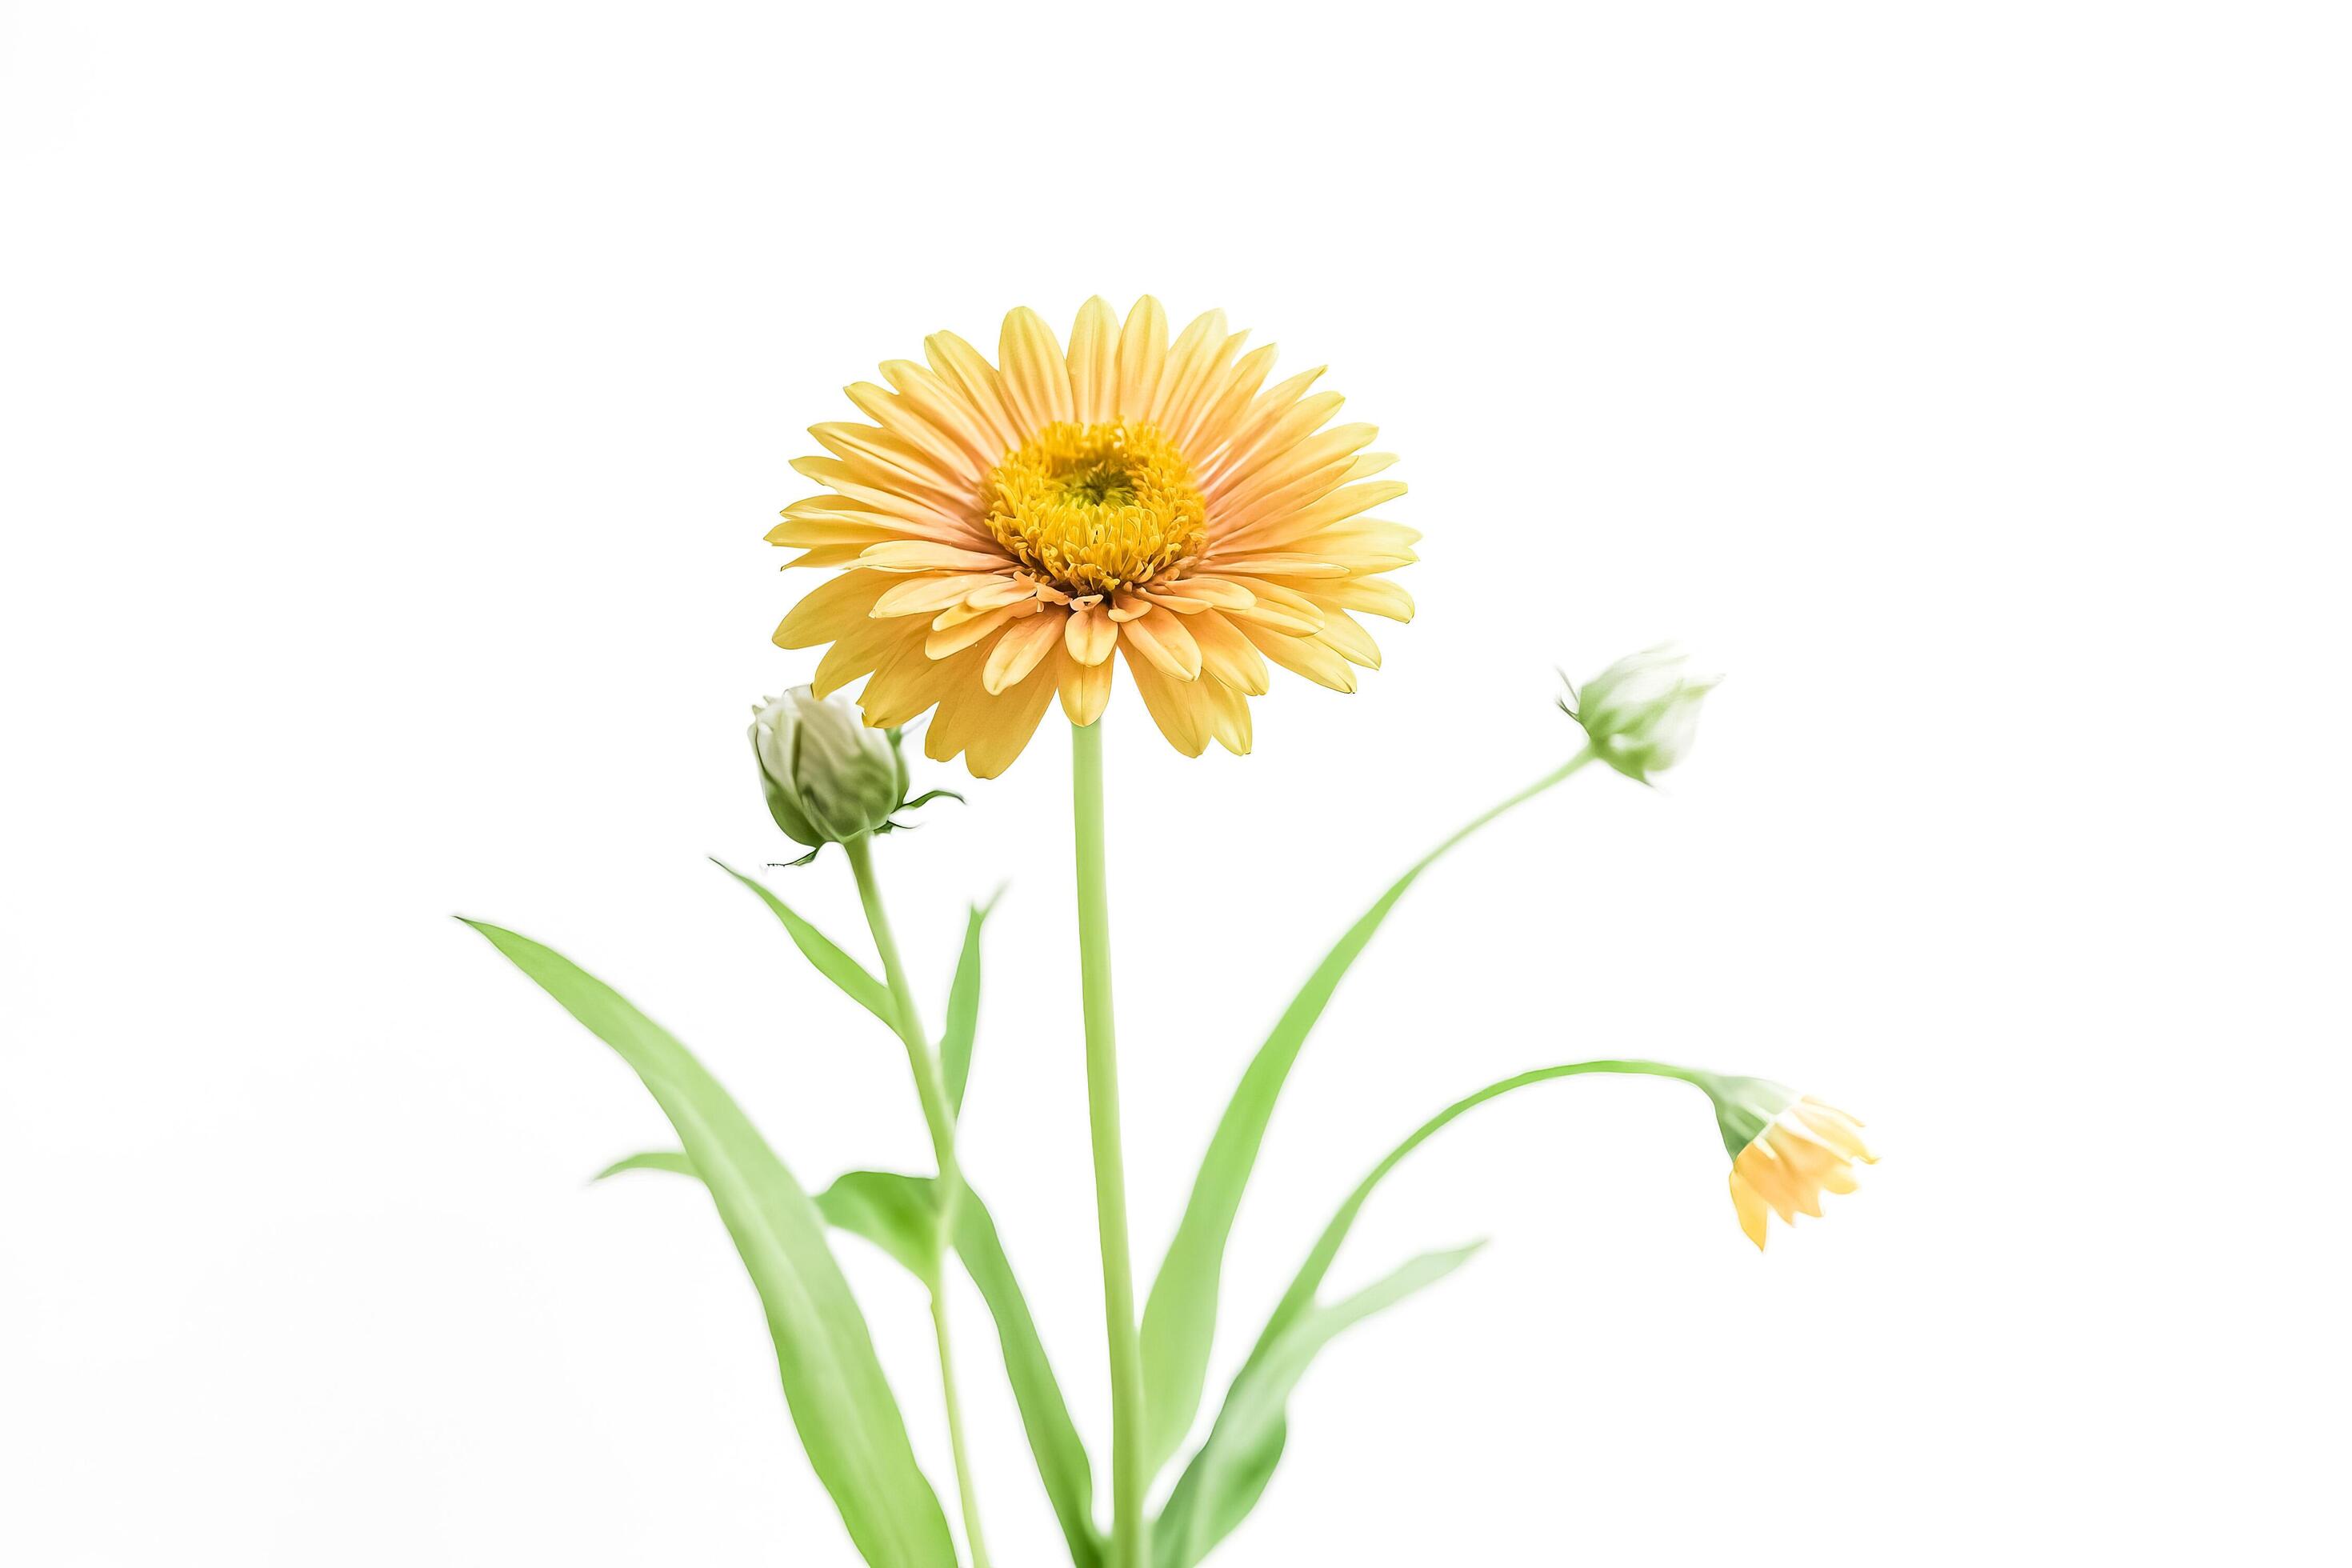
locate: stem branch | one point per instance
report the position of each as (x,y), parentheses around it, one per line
(930,1087)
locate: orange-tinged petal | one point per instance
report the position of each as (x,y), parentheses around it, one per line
(1302,656)
(1161,637)
(961,633)
(1091,633)
(1020,650)
(927,595)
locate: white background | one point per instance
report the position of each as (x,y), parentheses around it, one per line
(395,398)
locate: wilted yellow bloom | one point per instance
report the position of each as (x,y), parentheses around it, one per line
(1806,1149)
(1007,528)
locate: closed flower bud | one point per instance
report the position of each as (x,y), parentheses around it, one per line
(1641,713)
(1786,1148)
(827,776)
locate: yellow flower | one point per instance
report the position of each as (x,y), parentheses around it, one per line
(1007,531)
(1805,1150)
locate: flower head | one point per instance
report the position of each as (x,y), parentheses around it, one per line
(1787,1149)
(1008,529)
(1642,712)
(828,776)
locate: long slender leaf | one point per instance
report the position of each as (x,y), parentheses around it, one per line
(854,978)
(963,1005)
(1229,1474)
(841,1403)
(890,1210)
(1180,1317)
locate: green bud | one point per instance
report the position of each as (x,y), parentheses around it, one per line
(1641,713)
(828,776)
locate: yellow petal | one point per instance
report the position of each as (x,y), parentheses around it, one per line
(1189,358)
(1004,726)
(1036,377)
(1094,361)
(961,366)
(831,608)
(1228,716)
(923,555)
(1750,1210)
(858,651)
(1142,349)
(1227,655)
(1085,688)
(1353,643)
(1176,705)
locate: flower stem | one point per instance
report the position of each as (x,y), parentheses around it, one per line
(1110,1174)
(930,1087)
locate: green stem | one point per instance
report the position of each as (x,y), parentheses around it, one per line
(930,1087)
(1127,1457)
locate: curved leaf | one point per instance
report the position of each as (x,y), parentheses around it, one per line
(1227,1477)
(891,1211)
(841,1403)
(1179,1318)
(671,1159)
(1217,1492)
(854,978)
(1309,1279)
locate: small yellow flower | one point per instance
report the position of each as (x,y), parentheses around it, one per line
(1787,1149)
(1006,529)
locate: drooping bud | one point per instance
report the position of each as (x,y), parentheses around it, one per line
(1787,1149)
(1642,712)
(828,777)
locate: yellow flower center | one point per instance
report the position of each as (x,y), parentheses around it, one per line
(1096,507)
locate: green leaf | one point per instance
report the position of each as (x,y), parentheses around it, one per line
(963,1005)
(841,1403)
(1227,1477)
(835,965)
(1179,1318)
(868,1201)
